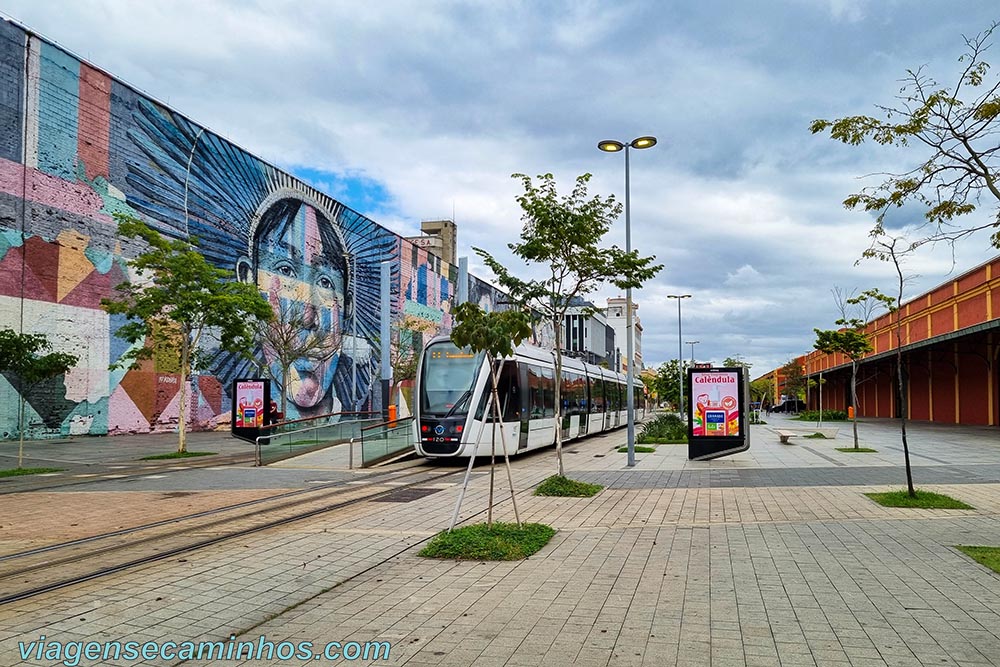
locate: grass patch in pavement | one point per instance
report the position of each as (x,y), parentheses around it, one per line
(639,449)
(988,556)
(923,500)
(561,486)
(815,436)
(501,541)
(175,455)
(856,450)
(18,472)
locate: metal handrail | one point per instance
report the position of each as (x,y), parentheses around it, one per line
(392,423)
(389,426)
(306,419)
(301,430)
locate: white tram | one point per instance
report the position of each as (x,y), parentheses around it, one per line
(453,388)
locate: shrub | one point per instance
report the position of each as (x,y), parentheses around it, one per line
(664,428)
(557,485)
(828,415)
(501,541)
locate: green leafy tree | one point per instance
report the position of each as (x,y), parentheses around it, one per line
(496,334)
(851,340)
(668,382)
(736,362)
(563,234)
(648,377)
(894,250)
(404,350)
(25,359)
(287,338)
(762,390)
(957,127)
(795,379)
(179,298)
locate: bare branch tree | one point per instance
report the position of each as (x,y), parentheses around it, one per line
(288,338)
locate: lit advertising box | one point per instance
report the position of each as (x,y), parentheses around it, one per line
(716,419)
(251,402)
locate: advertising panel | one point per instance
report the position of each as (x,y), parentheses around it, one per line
(251,403)
(716,424)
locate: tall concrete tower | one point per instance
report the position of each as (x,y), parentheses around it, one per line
(448,233)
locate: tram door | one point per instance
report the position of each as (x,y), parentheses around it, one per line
(524,398)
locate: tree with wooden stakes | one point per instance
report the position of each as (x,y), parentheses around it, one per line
(563,235)
(496,334)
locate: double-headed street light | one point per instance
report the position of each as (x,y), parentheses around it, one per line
(692,343)
(611,146)
(680,348)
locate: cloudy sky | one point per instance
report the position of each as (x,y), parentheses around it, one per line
(408,111)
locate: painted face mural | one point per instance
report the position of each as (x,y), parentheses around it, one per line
(301,269)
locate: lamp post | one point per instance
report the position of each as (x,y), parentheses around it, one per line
(680,338)
(612,146)
(349,258)
(692,343)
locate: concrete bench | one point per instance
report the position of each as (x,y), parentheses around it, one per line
(785,435)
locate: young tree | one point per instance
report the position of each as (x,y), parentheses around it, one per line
(736,362)
(894,250)
(404,350)
(25,358)
(178,298)
(563,234)
(959,136)
(762,390)
(288,338)
(496,334)
(851,340)
(668,382)
(795,380)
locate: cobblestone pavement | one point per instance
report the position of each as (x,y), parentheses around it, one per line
(772,557)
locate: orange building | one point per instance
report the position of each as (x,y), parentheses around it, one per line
(950,340)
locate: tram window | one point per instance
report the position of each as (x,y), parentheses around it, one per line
(507,391)
(536,392)
(447,379)
(597,395)
(549,392)
(573,399)
(566,394)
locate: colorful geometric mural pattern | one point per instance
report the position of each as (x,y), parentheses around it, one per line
(79,146)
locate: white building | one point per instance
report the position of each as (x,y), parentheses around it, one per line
(615,315)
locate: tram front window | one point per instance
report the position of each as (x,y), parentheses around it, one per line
(448,379)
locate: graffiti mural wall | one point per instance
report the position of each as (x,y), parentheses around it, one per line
(78,146)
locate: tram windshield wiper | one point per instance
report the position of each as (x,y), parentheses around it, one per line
(461,400)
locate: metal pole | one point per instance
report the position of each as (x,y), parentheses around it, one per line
(680,355)
(386,284)
(354,335)
(629,392)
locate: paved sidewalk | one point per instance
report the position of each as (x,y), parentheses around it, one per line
(762,572)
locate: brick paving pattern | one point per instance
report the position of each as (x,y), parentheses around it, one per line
(773,557)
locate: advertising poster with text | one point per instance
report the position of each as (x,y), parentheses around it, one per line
(715,404)
(249,404)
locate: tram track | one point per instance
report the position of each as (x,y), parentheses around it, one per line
(37,571)
(126,472)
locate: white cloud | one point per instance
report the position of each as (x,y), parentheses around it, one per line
(439,103)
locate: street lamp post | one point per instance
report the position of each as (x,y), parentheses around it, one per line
(611,146)
(692,343)
(680,349)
